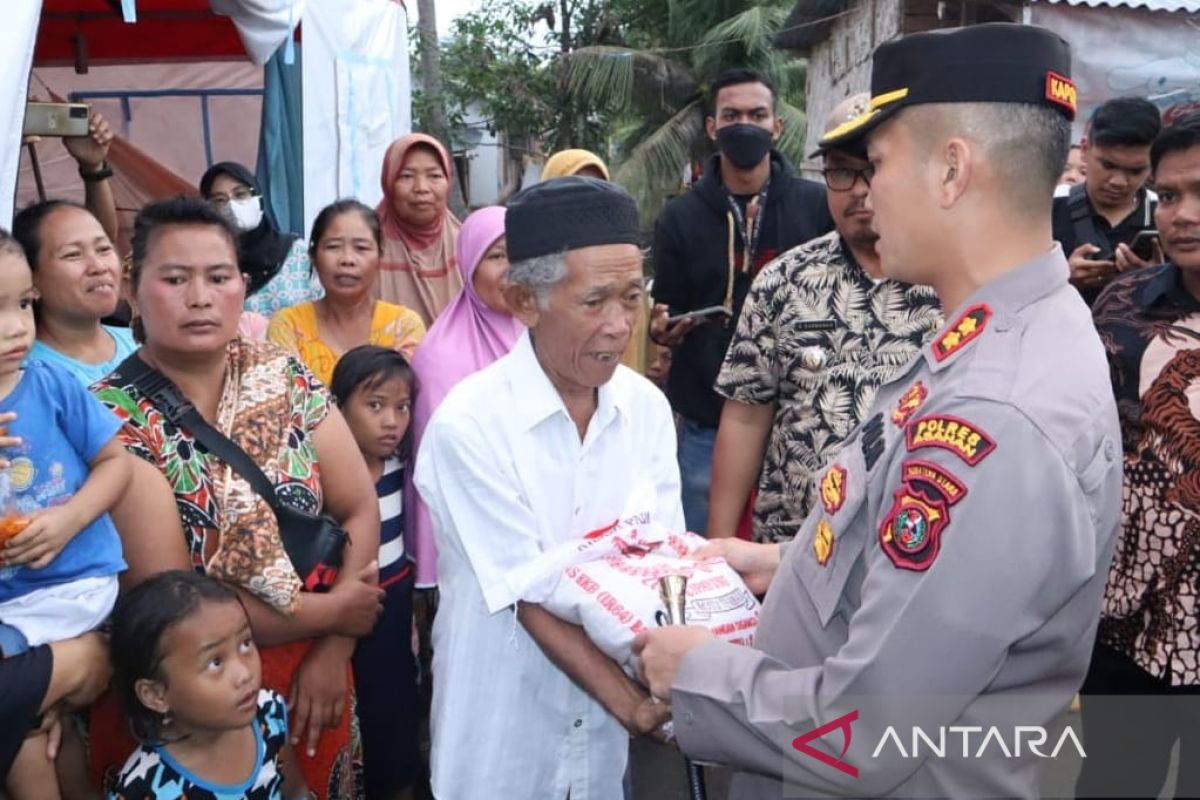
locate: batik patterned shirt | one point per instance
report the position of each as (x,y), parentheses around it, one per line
(1150,326)
(816,339)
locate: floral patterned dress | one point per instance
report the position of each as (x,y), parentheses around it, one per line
(270,406)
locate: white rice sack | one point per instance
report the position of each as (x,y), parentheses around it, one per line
(608,582)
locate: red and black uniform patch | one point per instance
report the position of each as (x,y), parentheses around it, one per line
(911,531)
(965,330)
(963,438)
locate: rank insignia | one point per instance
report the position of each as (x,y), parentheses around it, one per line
(833,489)
(911,531)
(823,542)
(908,403)
(934,478)
(964,331)
(960,437)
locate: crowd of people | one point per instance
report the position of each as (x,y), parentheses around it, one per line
(259,493)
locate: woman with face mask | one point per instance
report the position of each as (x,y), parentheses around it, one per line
(276,265)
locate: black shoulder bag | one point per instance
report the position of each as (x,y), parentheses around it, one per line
(314,543)
(1083,224)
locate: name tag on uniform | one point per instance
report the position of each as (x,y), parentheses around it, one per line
(815,325)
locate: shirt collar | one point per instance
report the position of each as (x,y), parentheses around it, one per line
(1166,285)
(538,399)
(1005,297)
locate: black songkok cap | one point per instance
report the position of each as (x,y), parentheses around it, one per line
(566,214)
(999,62)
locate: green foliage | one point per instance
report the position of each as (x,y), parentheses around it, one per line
(658,91)
(624,78)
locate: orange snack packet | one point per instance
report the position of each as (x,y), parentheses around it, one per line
(11,525)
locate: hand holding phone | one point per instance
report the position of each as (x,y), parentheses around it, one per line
(1143,245)
(56,119)
(702,315)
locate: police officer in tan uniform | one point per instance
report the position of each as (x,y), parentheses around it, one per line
(950,577)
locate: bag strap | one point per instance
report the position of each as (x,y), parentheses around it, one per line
(1084,223)
(167,398)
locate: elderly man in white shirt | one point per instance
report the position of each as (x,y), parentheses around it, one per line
(544,445)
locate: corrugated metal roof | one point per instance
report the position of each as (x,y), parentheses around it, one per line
(808,23)
(1190,6)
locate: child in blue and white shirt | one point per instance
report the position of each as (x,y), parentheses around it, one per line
(61,470)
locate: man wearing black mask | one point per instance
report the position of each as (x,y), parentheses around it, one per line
(709,244)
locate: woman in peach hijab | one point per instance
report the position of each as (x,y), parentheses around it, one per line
(418,268)
(584,163)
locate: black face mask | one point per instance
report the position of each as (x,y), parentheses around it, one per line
(744,144)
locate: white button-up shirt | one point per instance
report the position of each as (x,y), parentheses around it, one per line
(505,476)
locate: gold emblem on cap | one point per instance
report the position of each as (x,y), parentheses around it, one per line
(876,105)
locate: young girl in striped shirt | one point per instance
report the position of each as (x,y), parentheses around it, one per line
(375,390)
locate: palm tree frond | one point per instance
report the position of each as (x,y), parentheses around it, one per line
(746,37)
(655,164)
(795,125)
(627,80)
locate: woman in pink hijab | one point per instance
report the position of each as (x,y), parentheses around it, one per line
(474,330)
(417,267)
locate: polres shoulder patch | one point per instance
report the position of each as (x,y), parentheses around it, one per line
(966,329)
(963,438)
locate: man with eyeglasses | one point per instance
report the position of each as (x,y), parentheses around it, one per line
(820,331)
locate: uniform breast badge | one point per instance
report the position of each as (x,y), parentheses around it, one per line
(833,489)
(823,542)
(908,403)
(813,358)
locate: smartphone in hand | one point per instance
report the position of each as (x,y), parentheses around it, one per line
(56,119)
(702,315)
(1143,245)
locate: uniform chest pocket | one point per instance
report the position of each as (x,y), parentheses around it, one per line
(832,538)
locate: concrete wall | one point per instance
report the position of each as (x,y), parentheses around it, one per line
(840,65)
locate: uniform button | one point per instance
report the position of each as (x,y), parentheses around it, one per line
(1110,450)
(578,723)
(689,718)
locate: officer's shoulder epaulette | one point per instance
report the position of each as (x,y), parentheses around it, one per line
(968,327)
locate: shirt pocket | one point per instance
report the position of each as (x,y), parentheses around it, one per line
(803,360)
(835,533)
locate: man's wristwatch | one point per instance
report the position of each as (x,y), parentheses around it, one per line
(101,173)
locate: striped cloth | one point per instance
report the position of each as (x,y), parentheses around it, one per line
(390,489)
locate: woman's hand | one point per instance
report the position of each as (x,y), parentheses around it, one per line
(756,563)
(360,601)
(318,696)
(90,151)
